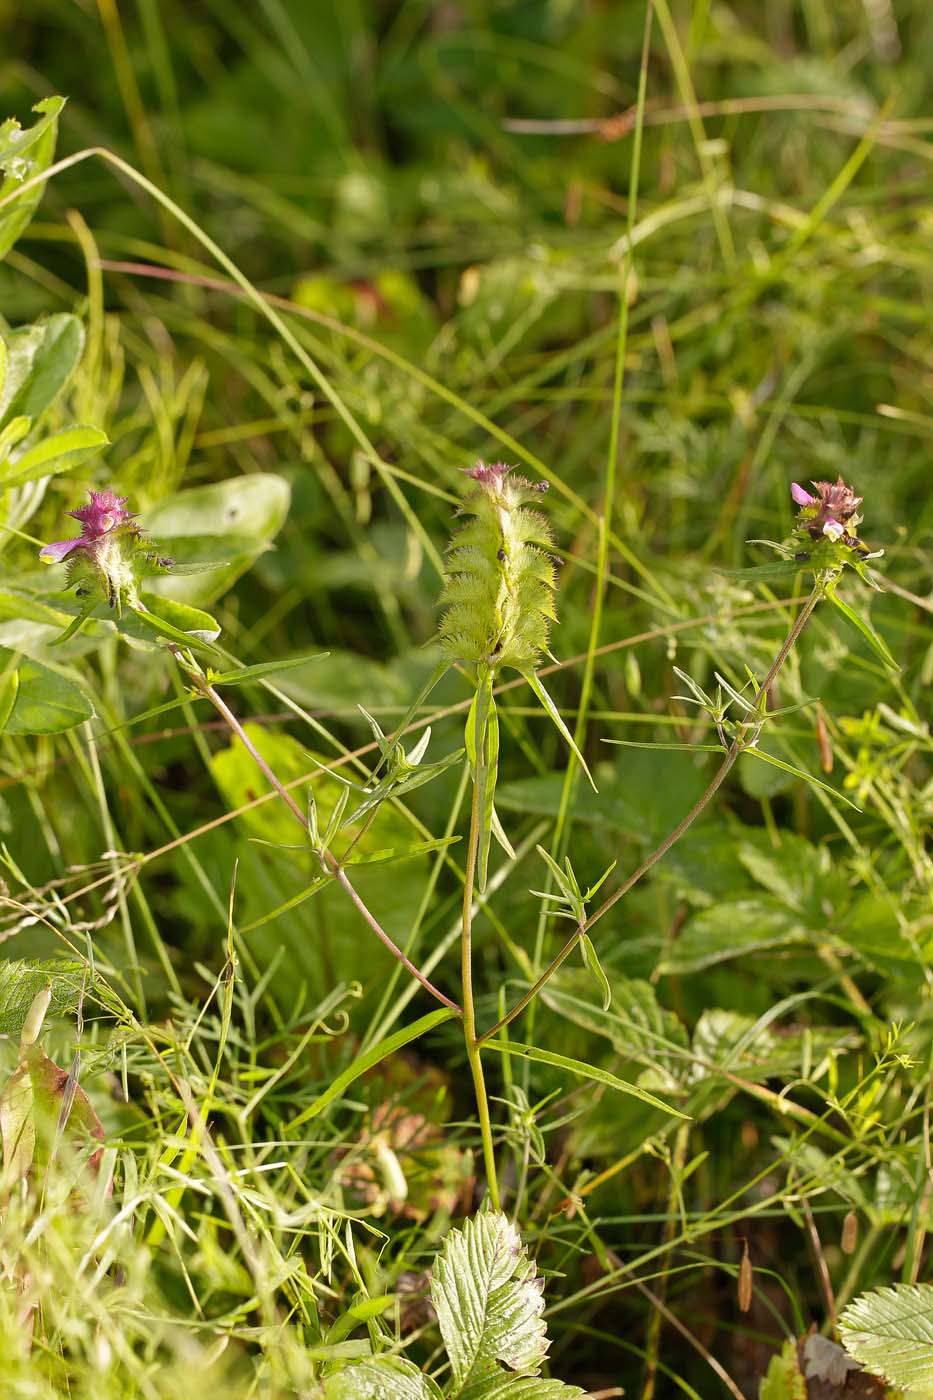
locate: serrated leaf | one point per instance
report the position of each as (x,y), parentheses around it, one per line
(380,1378)
(890,1331)
(505,1387)
(489,1302)
(23,154)
(21,981)
(58,453)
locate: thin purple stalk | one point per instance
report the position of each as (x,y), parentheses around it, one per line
(329,859)
(738,746)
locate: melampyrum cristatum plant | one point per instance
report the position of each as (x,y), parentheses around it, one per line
(499,592)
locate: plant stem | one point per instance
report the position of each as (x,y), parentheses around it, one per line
(737,747)
(469,1010)
(328,859)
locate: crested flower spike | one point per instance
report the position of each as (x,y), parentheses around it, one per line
(101,518)
(830,512)
(110,556)
(499,584)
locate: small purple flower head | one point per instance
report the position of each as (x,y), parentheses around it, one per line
(488,475)
(110,554)
(830,513)
(101,518)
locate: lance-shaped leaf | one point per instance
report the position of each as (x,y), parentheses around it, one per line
(23,154)
(40,360)
(554,714)
(54,455)
(489,1302)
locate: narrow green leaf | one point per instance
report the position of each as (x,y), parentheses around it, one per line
(391,853)
(477,745)
(595,968)
(674,748)
(374,1056)
(248,675)
(41,358)
(877,643)
(800,773)
(584,1071)
(537,685)
(9,689)
(23,154)
(61,452)
(15,430)
(204,628)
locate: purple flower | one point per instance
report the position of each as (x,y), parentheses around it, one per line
(106,514)
(493,476)
(830,511)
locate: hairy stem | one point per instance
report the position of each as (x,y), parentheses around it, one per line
(737,747)
(329,860)
(469,1010)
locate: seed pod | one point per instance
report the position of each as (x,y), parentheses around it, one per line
(849,1233)
(745,1279)
(823,741)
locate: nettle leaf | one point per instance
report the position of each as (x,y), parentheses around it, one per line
(381,1378)
(21,981)
(890,1331)
(23,154)
(488,1301)
(44,702)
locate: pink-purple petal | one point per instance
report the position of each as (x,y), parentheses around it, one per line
(802,497)
(54,553)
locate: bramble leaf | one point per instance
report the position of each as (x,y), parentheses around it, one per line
(890,1331)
